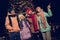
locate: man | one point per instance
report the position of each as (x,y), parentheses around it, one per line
(42,20)
(12,26)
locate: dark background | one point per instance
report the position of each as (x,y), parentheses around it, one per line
(55,19)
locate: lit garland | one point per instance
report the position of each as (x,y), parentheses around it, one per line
(20,4)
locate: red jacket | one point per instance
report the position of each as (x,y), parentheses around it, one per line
(34,21)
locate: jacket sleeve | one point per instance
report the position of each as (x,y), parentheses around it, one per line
(7,24)
(49,14)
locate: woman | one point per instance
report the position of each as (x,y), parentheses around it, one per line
(42,21)
(24,25)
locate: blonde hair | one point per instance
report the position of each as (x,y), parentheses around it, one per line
(19,16)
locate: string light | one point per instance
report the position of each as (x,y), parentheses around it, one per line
(18,4)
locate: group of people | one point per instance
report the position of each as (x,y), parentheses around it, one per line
(31,26)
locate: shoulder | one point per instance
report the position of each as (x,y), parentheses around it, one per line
(45,13)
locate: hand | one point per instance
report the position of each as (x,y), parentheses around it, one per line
(16,29)
(48,7)
(10,28)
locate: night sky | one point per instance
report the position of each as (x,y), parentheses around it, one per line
(55,19)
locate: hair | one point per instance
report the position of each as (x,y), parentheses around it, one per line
(36,7)
(20,13)
(10,9)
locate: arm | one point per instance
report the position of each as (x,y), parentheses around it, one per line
(49,14)
(7,24)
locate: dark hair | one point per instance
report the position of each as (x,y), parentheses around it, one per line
(10,9)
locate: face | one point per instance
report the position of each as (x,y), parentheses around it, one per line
(22,17)
(38,9)
(12,12)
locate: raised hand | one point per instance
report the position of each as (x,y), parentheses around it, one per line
(48,7)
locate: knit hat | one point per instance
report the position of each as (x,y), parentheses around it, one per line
(28,10)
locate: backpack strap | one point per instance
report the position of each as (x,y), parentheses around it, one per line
(10,20)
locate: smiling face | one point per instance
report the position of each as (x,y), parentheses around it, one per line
(38,9)
(21,17)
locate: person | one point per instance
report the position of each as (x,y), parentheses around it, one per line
(42,21)
(12,25)
(32,18)
(25,33)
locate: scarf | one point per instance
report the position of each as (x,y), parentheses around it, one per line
(21,24)
(43,19)
(9,16)
(34,21)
